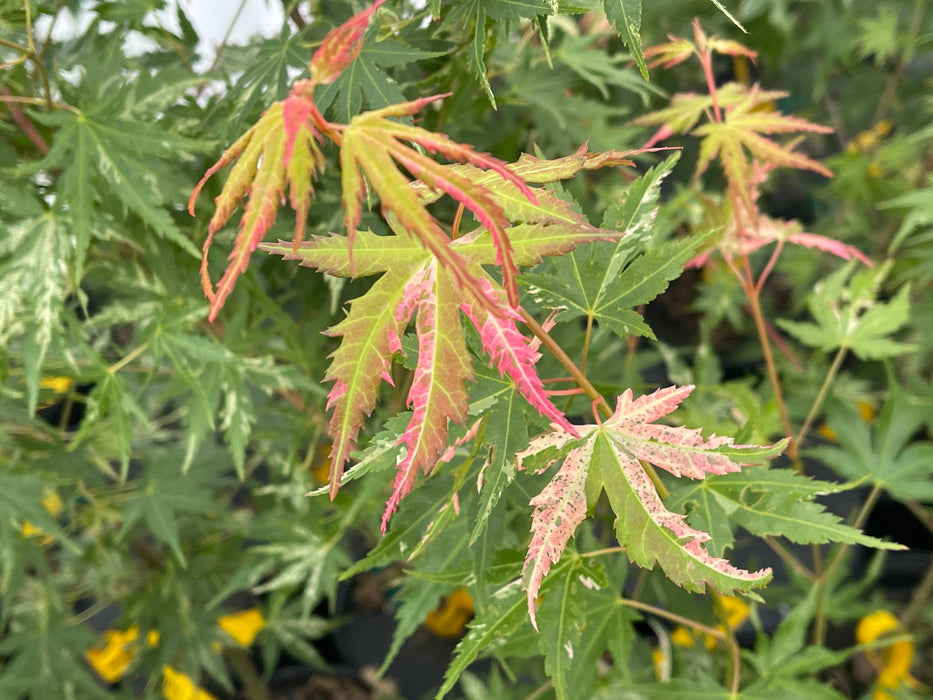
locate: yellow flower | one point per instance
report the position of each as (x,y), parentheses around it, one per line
(177,686)
(682,637)
(735,611)
(112,658)
(452,615)
(893,662)
(243,626)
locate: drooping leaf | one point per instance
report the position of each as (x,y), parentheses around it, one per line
(558,510)
(607,456)
(373,146)
(279,151)
(416,281)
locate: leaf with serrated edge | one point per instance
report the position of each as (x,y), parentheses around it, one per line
(607,455)
(625,15)
(559,509)
(279,150)
(377,320)
(438,392)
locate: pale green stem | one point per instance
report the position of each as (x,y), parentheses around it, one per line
(581,380)
(128,358)
(687,622)
(819,622)
(817,403)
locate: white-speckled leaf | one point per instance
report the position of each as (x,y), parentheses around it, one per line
(559,508)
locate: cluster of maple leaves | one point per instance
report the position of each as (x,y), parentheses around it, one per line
(438,276)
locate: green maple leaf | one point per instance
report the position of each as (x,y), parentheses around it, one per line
(265,72)
(500,13)
(767,502)
(604,282)
(625,16)
(365,79)
(106,160)
(165,493)
(848,314)
(887,452)
(414,280)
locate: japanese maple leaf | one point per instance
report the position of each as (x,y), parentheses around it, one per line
(279,151)
(606,457)
(752,230)
(415,281)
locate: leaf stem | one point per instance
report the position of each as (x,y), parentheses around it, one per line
(754,302)
(128,358)
(39,102)
(819,623)
(789,559)
(23,121)
(601,552)
(794,448)
(584,383)
(687,622)
(565,361)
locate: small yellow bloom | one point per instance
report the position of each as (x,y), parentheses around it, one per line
(27,529)
(60,385)
(112,658)
(735,610)
(893,662)
(682,637)
(52,503)
(450,618)
(243,626)
(177,686)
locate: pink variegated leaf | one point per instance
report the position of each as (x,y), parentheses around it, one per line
(606,457)
(829,245)
(279,151)
(511,353)
(438,393)
(680,451)
(433,278)
(558,510)
(373,144)
(361,361)
(653,534)
(396,194)
(340,47)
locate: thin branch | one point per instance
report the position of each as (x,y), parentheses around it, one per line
(818,402)
(22,121)
(226,37)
